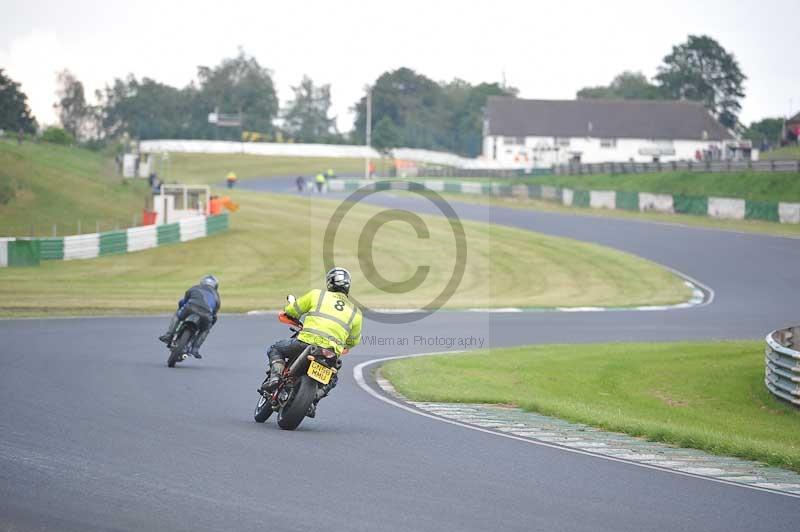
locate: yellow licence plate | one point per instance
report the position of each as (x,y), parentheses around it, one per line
(319,373)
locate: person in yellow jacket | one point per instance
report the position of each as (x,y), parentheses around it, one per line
(331,321)
(231,179)
(320,182)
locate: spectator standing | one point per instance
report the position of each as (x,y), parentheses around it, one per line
(320,182)
(231,179)
(301,184)
(20,136)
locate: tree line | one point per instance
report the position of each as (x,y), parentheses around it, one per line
(408,108)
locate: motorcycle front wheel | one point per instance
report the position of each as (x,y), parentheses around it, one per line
(263,410)
(290,416)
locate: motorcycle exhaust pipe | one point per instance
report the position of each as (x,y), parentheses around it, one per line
(300,360)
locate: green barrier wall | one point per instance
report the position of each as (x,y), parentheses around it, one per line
(452,187)
(113,242)
(51,248)
(216,224)
(534,191)
(168,234)
(581,198)
(628,201)
(761,210)
(690,205)
(24,252)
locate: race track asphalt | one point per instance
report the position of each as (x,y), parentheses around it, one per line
(97,434)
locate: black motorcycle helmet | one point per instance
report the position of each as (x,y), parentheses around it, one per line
(338,280)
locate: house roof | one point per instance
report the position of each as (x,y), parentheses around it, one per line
(642,119)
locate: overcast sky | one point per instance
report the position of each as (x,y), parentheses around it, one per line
(546,49)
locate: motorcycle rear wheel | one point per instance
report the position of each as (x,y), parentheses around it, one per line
(291,415)
(180,347)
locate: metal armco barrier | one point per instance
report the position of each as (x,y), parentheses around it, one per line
(782,373)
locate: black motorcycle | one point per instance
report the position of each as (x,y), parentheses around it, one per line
(304,380)
(182,340)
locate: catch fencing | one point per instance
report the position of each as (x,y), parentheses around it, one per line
(782,364)
(677,166)
(715,207)
(29,251)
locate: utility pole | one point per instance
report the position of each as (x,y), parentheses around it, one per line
(369,131)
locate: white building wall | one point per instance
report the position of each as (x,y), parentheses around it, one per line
(540,152)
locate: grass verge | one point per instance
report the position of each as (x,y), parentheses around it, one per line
(689,220)
(212,168)
(274,247)
(765,186)
(704,395)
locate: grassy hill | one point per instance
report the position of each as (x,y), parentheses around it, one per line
(47,184)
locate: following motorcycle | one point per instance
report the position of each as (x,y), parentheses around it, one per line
(304,381)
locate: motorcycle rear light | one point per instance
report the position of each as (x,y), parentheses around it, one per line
(327,353)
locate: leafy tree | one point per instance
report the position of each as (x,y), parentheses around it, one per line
(765,131)
(238,85)
(14,110)
(426,114)
(385,135)
(147,109)
(73,111)
(702,70)
(466,104)
(306,118)
(625,86)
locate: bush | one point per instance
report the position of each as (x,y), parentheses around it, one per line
(56,135)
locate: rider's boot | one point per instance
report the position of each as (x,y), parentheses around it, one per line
(195,350)
(275,370)
(167,336)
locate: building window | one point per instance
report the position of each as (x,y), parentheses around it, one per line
(561,141)
(608,143)
(514,141)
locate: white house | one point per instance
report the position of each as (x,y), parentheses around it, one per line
(541,133)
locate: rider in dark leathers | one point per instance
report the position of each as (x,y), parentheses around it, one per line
(201,299)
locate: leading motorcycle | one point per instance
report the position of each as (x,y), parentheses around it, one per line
(304,381)
(181,342)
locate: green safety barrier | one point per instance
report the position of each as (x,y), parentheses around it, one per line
(113,242)
(216,224)
(413,185)
(51,248)
(761,210)
(383,185)
(24,252)
(690,204)
(581,198)
(505,190)
(628,201)
(350,186)
(486,188)
(534,191)
(452,187)
(168,234)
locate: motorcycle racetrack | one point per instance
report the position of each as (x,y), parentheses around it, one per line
(97,434)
